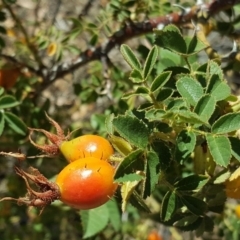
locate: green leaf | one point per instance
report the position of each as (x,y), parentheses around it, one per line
(132,129)
(145,106)
(137,201)
(235,143)
(92,26)
(2,123)
(140,91)
(136,76)
(129,178)
(176,103)
(201,78)
(184,116)
(164,94)
(188,117)
(155,114)
(185,144)
(220,148)
(127,190)
(218,88)
(109,125)
(189,223)
(170,61)
(1,91)
(169,205)
(215,68)
(150,62)
(73,34)
(160,81)
(190,89)
(216,198)
(205,107)
(163,152)
(121,145)
(130,57)
(93,41)
(171,38)
(176,69)
(192,182)
(8,101)
(130,164)
(73,49)
(163,127)
(94,220)
(228,123)
(194,205)
(152,173)
(114,214)
(222,178)
(15,123)
(195,45)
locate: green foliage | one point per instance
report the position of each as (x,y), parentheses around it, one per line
(188,114)
(185,144)
(95,220)
(192,182)
(190,89)
(169,205)
(9,118)
(130,57)
(170,35)
(127,126)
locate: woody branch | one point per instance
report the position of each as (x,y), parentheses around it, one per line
(128,31)
(134,29)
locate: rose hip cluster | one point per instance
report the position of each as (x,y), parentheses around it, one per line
(86,182)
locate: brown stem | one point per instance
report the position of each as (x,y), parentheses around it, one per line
(130,30)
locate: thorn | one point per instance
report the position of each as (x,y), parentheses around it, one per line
(233,52)
(196,27)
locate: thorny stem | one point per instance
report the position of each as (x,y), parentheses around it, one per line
(127,32)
